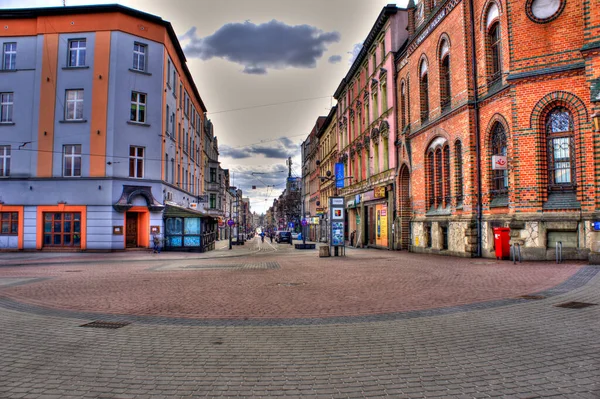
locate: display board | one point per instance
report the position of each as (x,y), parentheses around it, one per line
(337,216)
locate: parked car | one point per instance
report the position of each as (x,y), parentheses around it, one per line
(295,236)
(284,236)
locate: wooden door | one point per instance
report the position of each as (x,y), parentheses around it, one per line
(405,208)
(131,230)
(372,221)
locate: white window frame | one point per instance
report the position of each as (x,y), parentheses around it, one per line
(79,51)
(140,52)
(9,55)
(74,105)
(137,104)
(137,158)
(74,155)
(6,107)
(4,160)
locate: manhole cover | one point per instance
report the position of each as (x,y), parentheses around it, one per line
(532,297)
(290,284)
(105,324)
(575,305)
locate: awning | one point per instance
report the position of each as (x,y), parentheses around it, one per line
(176,211)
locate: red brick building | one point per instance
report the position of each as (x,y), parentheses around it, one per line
(513,84)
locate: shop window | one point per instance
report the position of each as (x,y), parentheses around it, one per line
(62,229)
(9,223)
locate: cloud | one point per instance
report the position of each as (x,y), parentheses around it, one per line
(354,53)
(279,149)
(271,45)
(334,59)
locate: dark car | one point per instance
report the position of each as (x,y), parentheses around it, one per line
(284,236)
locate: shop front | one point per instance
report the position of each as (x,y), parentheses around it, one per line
(377,217)
(188,230)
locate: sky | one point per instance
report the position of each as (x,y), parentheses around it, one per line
(265,69)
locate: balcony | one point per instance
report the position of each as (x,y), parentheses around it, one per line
(214,212)
(213,186)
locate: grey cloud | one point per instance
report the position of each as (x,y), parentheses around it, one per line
(334,59)
(280,149)
(271,45)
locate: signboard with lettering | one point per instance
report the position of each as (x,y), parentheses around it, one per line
(379,192)
(339,175)
(368,196)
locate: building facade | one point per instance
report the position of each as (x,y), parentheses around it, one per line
(101,131)
(328,148)
(367,131)
(497,101)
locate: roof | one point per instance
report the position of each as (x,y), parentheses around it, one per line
(385,13)
(19,13)
(327,121)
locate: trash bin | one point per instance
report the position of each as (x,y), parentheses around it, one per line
(502,242)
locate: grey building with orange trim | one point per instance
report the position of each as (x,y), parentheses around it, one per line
(101,132)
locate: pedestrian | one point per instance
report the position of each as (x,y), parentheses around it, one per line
(156,243)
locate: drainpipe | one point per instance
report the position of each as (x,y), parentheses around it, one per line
(394,186)
(477,128)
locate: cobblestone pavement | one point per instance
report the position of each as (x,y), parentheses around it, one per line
(451,328)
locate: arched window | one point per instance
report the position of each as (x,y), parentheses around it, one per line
(403,104)
(458,171)
(424,92)
(498,147)
(438,174)
(560,136)
(494,43)
(445,75)
(446,176)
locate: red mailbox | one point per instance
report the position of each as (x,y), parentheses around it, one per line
(502,242)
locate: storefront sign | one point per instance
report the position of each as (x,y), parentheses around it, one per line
(382,225)
(314,220)
(357,199)
(336,201)
(368,196)
(350,204)
(339,175)
(379,192)
(499,162)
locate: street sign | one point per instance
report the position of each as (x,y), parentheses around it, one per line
(596,226)
(304,222)
(499,162)
(339,175)
(291,225)
(230,223)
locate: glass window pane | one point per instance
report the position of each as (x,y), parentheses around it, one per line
(68,227)
(15,215)
(47,227)
(77,216)
(47,239)
(4,227)
(67,239)
(5,215)
(47,217)
(56,239)
(76,227)
(57,227)
(58,216)
(15,228)
(76,239)
(131,168)
(192,226)
(140,168)
(68,216)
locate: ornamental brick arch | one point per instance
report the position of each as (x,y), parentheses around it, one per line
(483,26)
(558,98)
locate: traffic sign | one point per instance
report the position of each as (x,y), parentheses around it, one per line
(304,222)
(230,223)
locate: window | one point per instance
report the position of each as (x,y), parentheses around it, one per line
(136,162)
(424,92)
(62,229)
(74,109)
(438,175)
(9,60)
(383,97)
(167,120)
(445,75)
(213,175)
(560,134)
(382,49)
(174,84)
(459,172)
(4,160)
(76,53)
(494,56)
(375,105)
(499,177)
(166,167)
(71,160)
(138,107)
(169,73)
(9,223)
(173,125)
(139,56)
(6,107)
(180,95)
(403,105)
(213,201)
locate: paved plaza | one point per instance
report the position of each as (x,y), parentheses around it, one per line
(266,320)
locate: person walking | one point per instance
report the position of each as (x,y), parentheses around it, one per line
(156,243)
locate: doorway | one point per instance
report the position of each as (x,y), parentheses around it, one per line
(405,208)
(131,230)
